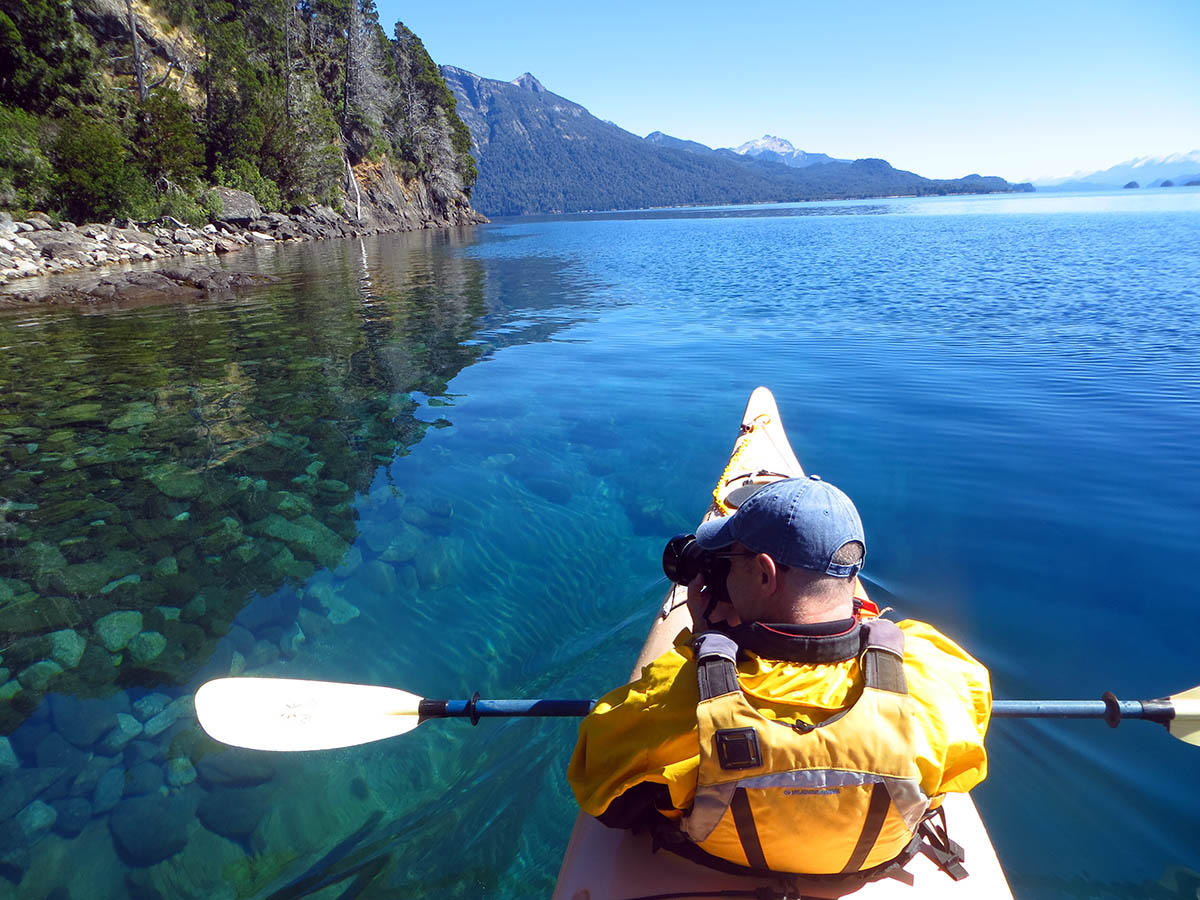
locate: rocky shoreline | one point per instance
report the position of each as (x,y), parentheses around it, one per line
(36,246)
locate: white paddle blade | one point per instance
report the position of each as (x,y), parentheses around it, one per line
(1186,724)
(292,714)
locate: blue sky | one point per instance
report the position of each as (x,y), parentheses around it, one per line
(1018,89)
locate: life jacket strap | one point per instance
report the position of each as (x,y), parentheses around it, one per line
(946,854)
(883,656)
(716,664)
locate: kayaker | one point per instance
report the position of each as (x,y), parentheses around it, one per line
(826,747)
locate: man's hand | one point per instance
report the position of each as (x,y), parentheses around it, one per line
(698,597)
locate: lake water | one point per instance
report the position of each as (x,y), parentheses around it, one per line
(448,462)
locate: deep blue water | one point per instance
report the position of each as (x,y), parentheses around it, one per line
(449,462)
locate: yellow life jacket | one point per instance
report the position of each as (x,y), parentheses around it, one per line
(835,798)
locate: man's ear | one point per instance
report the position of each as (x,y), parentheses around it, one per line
(768,573)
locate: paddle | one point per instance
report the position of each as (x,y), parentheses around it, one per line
(291,714)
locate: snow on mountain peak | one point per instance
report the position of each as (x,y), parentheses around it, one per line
(768,142)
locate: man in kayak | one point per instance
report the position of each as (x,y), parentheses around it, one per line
(797,732)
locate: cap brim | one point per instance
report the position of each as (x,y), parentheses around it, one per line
(716,533)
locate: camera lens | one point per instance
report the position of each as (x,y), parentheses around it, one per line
(681,561)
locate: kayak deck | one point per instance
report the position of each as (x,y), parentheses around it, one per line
(603,863)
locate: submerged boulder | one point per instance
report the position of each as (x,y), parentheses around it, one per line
(150,828)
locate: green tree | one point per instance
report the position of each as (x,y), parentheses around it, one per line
(44,57)
(95,179)
(25,173)
(165,140)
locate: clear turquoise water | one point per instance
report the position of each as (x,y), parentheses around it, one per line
(450,461)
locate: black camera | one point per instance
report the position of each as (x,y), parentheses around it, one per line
(684,559)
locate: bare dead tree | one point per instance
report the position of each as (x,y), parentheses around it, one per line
(138,71)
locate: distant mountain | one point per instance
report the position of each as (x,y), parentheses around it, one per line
(776,149)
(1148,171)
(538,152)
(1189,180)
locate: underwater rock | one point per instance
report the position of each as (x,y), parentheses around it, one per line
(79,414)
(292,505)
(415,515)
(71,816)
(144,778)
(228,533)
(22,787)
(81,579)
(140,751)
(289,643)
(39,556)
(337,609)
(150,706)
(351,560)
(110,788)
(126,729)
(146,646)
(15,857)
(283,565)
(429,566)
(53,750)
(180,771)
(380,577)
(315,626)
(35,820)
(120,583)
(265,652)
(89,776)
(8,759)
(232,812)
(37,676)
(34,614)
(158,724)
(149,829)
(140,413)
(235,768)
(176,482)
(168,565)
(68,646)
(305,535)
(83,722)
(405,544)
(117,629)
(278,609)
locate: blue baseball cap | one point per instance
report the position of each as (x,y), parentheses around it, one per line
(800,522)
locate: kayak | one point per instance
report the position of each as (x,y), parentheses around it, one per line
(603,863)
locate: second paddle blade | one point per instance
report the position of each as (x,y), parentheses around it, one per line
(293,714)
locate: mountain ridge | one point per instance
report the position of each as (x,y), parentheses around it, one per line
(1148,171)
(539,152)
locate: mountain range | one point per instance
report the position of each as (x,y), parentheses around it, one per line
(537,152)
(1146,171)
(777,149)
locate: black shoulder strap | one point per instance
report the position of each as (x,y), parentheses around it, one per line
(716,664)
(883,656)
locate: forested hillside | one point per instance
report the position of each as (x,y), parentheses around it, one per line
(131,108)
